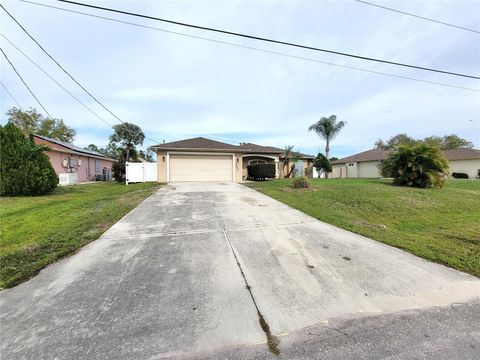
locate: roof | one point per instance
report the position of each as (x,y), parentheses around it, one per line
(253,148)
(198,143)
(201,143)
(73,148)
(379,154)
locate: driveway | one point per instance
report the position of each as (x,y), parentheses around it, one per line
(213,270)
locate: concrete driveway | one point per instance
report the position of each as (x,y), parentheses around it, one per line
(215,269)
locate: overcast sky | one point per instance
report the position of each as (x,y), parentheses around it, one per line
(177,87)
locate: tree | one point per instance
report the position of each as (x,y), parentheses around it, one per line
(93,147)
(420,165)
(446,142)
(453,141)
(289,155)
(32,122)
(24,167)
(394,142)
(322,164)
(128,135)
(147,155)
(327,128)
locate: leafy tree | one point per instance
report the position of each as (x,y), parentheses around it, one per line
(420,165)
(446,142)
(24,167)
(327,128)
(147,155)
(395,141)
(32,122)
(93,147)
(322,164)
(128,135)
(453,141)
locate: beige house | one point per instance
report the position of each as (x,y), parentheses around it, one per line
(364,164)
(201,159)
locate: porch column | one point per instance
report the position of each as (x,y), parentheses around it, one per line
(277,164)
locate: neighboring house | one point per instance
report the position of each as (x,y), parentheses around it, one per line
(201,159)
(364,164)
(85,165)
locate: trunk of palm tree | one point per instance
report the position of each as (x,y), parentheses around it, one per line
(327,154)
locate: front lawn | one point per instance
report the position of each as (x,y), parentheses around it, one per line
(441,225)
(36,231)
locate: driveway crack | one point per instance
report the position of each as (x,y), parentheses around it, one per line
(272,340)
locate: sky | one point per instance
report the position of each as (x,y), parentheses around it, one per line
(176,87)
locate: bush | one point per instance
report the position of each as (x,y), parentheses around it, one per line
(458,175)
(261,171)
(420,165)
(301,183)
(24,168)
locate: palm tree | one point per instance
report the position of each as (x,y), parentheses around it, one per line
(289,154)
(327,128)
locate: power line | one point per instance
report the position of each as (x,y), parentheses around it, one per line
(56,82)
(10,94)
(252,37)
(66,72)
(418,16)
(254,48)
(24,83)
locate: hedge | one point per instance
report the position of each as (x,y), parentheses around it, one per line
(459,175)
(261,171)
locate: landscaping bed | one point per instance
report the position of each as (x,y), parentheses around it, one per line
(441,225)
(36,231)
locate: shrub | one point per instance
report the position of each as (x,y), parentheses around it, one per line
(261,171)
(301,183)
(24,168)
(420,165)
(458,175)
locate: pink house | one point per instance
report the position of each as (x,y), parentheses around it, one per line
(70,159)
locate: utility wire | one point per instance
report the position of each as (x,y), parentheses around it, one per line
(24,83)
(69,75)
(418,16)
(254,48)
(252,37)
(56,82)
(10,94)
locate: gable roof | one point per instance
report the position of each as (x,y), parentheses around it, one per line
(379,154)
(198,143)
(71,147)
(253,148)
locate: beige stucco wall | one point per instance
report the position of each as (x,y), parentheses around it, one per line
(338,171)
(162,166)
(238,167)
(307,164)
(368,169)
(469,167)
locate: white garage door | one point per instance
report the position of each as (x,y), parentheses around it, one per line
(185,167)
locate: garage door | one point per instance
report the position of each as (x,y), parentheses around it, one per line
(185,167)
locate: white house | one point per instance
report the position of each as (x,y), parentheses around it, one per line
(364,164)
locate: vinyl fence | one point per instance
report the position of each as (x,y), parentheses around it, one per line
(140,172)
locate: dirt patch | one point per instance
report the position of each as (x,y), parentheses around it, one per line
(370,225)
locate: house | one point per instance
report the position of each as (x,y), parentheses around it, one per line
(364,164)
(73,164)
(202,159)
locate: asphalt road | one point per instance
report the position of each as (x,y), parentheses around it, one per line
(214,270)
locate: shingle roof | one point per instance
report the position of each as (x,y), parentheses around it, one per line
(198,143)
(379,154)
(71,146)
(259,148)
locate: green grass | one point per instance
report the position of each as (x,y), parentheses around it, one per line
(442,225)
(36,231)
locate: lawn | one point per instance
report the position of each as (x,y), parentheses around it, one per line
(442,225)
(36,231)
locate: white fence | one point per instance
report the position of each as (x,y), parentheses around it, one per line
(140,172)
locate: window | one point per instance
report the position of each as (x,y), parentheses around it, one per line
(97,166)
(253,162)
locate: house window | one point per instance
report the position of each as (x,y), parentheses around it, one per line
(253,162)
(97,166)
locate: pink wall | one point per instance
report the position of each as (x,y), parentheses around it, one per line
(86,170)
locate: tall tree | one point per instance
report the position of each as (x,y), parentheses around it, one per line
(453,141)
(327,128)
(127,135)
(322,164)
(32,122)
(289,154)
(446,142)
